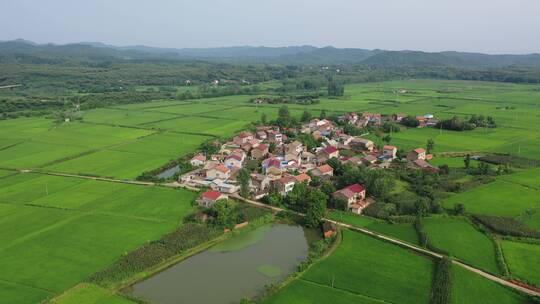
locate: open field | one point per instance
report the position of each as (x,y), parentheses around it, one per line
(404,232)
(493,199)
(462,240)
(523,260)
(78,227)
(470,288)
(89,294)
(374,269)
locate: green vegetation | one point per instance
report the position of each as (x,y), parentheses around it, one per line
(78,227)
(495,199)
(470,288)
(461,240)
(383,269)
(441,289)
(270,271)
(523,259)
(89,294)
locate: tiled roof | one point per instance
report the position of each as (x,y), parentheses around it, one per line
(212,195)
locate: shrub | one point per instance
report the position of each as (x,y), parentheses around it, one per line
(441,289)
(506,226)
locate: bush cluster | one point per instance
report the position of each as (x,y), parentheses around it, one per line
(441,289)
(506,226)
(186,237)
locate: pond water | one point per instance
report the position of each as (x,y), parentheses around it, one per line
(239,267)
(169,172)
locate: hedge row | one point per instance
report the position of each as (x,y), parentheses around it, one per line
(423,238)
(441,288)
(506,226)
(186,237)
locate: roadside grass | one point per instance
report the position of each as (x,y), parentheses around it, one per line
(523,260)
(497,198)
(85,293)
(373,268)
(404,232)
(470,288)
(305,292)
(462,240)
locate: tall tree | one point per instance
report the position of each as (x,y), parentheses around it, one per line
(430,145)
(243,180)
(224,213)
(306,116)
(467,161)
(264,119)
(316,207)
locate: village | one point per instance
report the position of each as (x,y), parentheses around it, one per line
(276,162)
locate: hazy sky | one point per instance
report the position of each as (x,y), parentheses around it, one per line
(491,26)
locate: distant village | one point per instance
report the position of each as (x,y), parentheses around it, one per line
(282,162)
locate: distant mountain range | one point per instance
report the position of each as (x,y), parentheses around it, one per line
(23,51)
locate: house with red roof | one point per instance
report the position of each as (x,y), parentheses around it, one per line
(259,151)
(285,184)
(209,198)
(351,194)
(234,160)
(198,160)
(327,153)
(322,171)
(416,154)
(219,171)
(389,152)
(303,178)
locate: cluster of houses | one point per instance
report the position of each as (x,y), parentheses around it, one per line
(284,162)
(377,119)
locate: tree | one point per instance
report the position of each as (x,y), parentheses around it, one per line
(387,138)
(339,204)
(335,88)
(467,161)
(323,114)
(444,169)
(264,119)
(306,116)
(243,180)
(328,188)
(316,207)
(284,112)
(459,209)
(296,198)
(430,145)
(224,213)
(410,121)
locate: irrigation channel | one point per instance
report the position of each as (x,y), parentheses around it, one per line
(237,268)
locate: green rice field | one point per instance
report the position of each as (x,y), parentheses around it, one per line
(523,260)
(462,240)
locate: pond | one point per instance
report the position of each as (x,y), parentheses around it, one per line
(237,268)
(169,172)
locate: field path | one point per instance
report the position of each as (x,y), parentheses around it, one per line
(277,209)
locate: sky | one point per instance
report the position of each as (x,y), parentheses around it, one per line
(487,26)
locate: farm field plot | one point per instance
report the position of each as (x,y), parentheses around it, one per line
(470,288)
(462,240)
(404,232)
(124,117)
(164,144)
(78,236)
(90,294)
(383,269)
(151,104)
(32,154)
(60,142)
(253,114)
(305,292)
(203,125)
(198,107)
(123,165)
(523,260)
(529,178)
(493,199)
